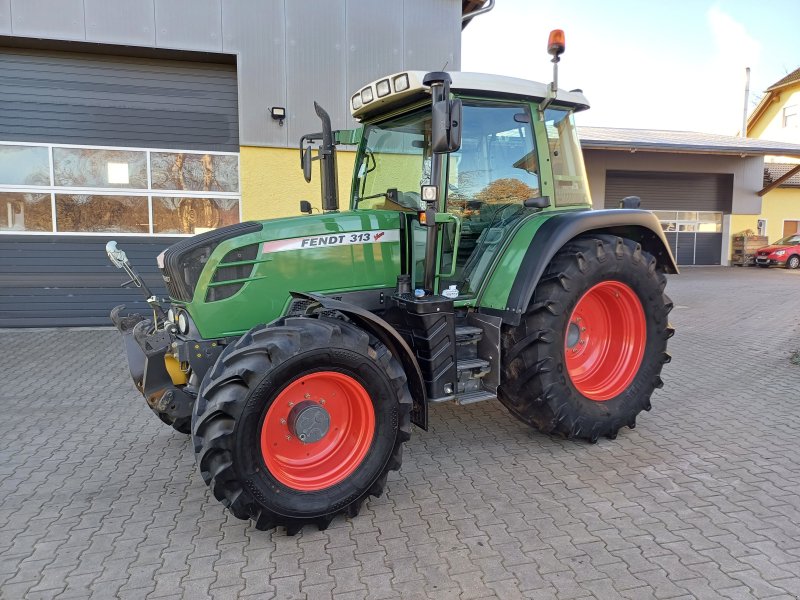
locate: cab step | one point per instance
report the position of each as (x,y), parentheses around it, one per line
(473,397)
(467,338)
(470,364)
(468,333)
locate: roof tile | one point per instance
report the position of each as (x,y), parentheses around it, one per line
(773,171)
(792,77)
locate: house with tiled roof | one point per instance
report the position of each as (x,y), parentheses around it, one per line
(777,118)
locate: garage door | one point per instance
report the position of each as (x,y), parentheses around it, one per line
(96,147)
(690,207)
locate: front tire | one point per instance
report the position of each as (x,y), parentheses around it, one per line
(588,353)
(300,421)
(793,262)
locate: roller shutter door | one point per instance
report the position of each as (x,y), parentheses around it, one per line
(60,281)
(88,99)
(691,197)
(81,99)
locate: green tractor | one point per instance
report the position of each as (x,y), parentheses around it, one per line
(298,352)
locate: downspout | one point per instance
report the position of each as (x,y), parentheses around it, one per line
(465,19)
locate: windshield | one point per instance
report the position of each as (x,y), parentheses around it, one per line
(791,240)
(395,163)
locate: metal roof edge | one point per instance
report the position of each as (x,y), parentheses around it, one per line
(588,144)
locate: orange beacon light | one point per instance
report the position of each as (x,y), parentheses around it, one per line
(555,43)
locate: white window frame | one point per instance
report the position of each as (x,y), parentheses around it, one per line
(789,112)
(149,193)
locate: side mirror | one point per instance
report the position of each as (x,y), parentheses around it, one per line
(446,126)
(305,207)
(117,256)
(307,164)
(540,202)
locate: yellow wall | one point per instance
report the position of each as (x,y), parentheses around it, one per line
(741,223)
(769,125)
(780,204)
(273,184)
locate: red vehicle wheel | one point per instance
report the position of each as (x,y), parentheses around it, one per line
(317,431)
(605,340)
(587,355)
(300,421)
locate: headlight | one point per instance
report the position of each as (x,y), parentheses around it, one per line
(183,323)
(780,253)
(356,101)
(401,82)
(171,315)
(366,95)
(383,89)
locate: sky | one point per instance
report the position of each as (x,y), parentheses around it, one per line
(647,64)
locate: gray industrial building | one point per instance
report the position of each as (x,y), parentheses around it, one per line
(145,120)
(148,120)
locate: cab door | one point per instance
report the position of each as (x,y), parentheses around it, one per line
(489,178)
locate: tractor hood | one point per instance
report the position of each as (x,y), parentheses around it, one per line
(329,230)
(235,276)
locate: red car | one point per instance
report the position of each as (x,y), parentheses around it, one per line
(785,252)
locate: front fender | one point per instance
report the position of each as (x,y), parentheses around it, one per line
(641,226)
(391,339)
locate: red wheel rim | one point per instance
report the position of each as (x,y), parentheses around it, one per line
(323,463)
(605,340)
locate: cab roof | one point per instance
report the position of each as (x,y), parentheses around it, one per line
(406,86)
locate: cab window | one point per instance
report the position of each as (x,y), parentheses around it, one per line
(497,161)
(394,163)
(489,178)
(569,174)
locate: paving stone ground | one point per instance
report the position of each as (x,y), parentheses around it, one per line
(99,499)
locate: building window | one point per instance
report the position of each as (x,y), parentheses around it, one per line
(22,211)
(85,168)
(790,118)
(193,215)
(195,172)
(24,165)
(701,222)
(102,213)
(48,188)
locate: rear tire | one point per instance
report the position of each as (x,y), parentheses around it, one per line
(563,378)
(247,451)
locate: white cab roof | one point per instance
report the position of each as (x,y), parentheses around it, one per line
(482,84)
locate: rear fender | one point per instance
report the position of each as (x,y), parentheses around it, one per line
(640,226)
(391,339)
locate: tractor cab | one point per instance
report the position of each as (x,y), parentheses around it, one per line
(514,158)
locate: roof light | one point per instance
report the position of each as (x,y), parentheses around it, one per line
(555,43)
(356,101)
(401,82)
(383,88)
(366,95)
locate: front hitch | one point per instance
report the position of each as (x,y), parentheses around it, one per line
(146,349)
